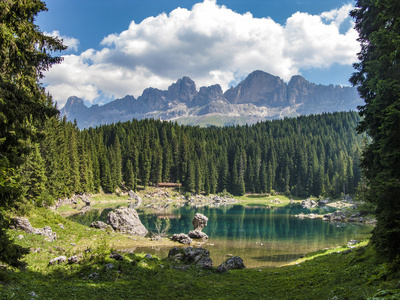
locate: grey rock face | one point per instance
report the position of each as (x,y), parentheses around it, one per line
(207,95)
(126,220)
(234,262)
(316,98)
(199,221)
(252,98)
(195,256)
(23,224)
(183,90)
(99,225)
(47,232)
(196,234)
(57,260)
(152,99)
(259,88)
(182,238)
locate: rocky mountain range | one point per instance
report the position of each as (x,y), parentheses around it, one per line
(259,97)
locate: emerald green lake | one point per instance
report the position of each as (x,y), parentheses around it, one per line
(260,236)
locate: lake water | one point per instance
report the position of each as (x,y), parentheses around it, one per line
(261,236)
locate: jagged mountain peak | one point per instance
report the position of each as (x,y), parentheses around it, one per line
(74,101)
(183,90)
(258,97)
(259,88)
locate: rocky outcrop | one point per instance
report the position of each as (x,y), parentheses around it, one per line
(259,97)
(47,232)
(152,99)
(182,238)
(126,220)
(197,234)
(207,95)
(347,216)
(75,108)
(183,90)
(259,88)
(315,98)
(199,221)
(57,260)
(234,262)
(100,225)
(21,223)
(193,256)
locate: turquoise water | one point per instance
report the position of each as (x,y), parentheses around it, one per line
(261,236)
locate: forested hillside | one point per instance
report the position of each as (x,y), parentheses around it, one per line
(313,155)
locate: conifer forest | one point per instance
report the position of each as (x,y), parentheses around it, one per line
(310,155)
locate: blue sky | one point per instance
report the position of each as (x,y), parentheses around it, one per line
(120,47)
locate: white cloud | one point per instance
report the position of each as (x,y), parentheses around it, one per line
(209,43)
(71,42)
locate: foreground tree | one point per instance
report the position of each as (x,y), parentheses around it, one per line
(378,81)
(25,53)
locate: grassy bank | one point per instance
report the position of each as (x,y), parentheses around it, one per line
(330,274)
(339,273)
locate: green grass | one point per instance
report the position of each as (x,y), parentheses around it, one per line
(266,200)
(327,274)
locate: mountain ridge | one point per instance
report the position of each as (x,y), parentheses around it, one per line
(260,96)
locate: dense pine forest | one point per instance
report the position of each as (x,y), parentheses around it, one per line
(309,155)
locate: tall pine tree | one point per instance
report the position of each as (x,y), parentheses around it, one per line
(378,79)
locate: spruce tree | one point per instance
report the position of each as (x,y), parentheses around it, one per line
(25,53)
(33,176)
(377,77)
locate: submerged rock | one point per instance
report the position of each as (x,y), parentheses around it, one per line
(126,220)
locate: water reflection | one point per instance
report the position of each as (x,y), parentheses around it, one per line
(261,236)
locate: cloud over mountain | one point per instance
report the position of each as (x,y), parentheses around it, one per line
(209,43)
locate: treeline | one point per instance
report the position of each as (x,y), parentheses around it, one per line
(309,155)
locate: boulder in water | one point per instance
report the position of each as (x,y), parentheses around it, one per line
(182,238)
(199,221)
(126,220)
(196,234)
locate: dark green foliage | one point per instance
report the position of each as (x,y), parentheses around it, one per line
(25,53)
(33,176)
(269,156)
(378,79)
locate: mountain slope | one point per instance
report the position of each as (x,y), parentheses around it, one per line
(259,97)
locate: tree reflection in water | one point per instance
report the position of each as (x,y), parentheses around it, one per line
(261,236)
